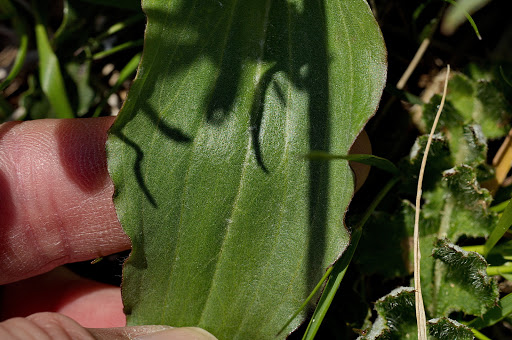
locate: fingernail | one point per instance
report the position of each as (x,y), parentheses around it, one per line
(184,333)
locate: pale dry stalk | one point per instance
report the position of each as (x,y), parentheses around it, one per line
(421,319)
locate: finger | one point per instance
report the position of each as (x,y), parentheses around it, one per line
(152,333)
(64,292)
(56,196)
(53,326)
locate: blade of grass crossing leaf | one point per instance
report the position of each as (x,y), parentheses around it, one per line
(420,309)
(50,75)
(372,160)
(495,315)
(338,272)
(340,267)
(470,19)
(308,299)
(503,225)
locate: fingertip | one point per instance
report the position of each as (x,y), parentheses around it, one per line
(56,196)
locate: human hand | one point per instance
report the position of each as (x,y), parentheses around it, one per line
(56,208)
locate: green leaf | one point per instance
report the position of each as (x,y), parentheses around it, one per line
(444,328)
(231,226)
(470,214)
(492,110)
(50,74)
(466,286)
(458,207)
(80,74)
(472,100)
(396,319)
(439,159)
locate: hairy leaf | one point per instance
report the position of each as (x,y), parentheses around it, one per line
(397,320)
(444,328)
(466,285)
(396,316)
(470,100)
(231,226)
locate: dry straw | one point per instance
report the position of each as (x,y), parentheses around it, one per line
(420,309)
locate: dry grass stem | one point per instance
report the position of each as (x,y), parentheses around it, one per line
(421,319)
(412,65)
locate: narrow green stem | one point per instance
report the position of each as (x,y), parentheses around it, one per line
(19,24)
(479,335)
(339,270)
(498,270)
(501,228)
(118,48)
(341,266)
(477,249)
(120,26)
(498,208)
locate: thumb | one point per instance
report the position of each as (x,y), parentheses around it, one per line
(152,333)
(54,326)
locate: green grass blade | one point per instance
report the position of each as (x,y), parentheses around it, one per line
(495,315)
(118,48)
(498,208)
(503,225)
(119,26)
(50,75)
(309,298)
(22,53)
(468,17)
(338,272)
(479,335)
(372,160)
(499,270)
(340,267)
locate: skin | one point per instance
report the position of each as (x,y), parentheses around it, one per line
(56,208)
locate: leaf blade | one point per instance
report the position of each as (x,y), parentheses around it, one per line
(206,156)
